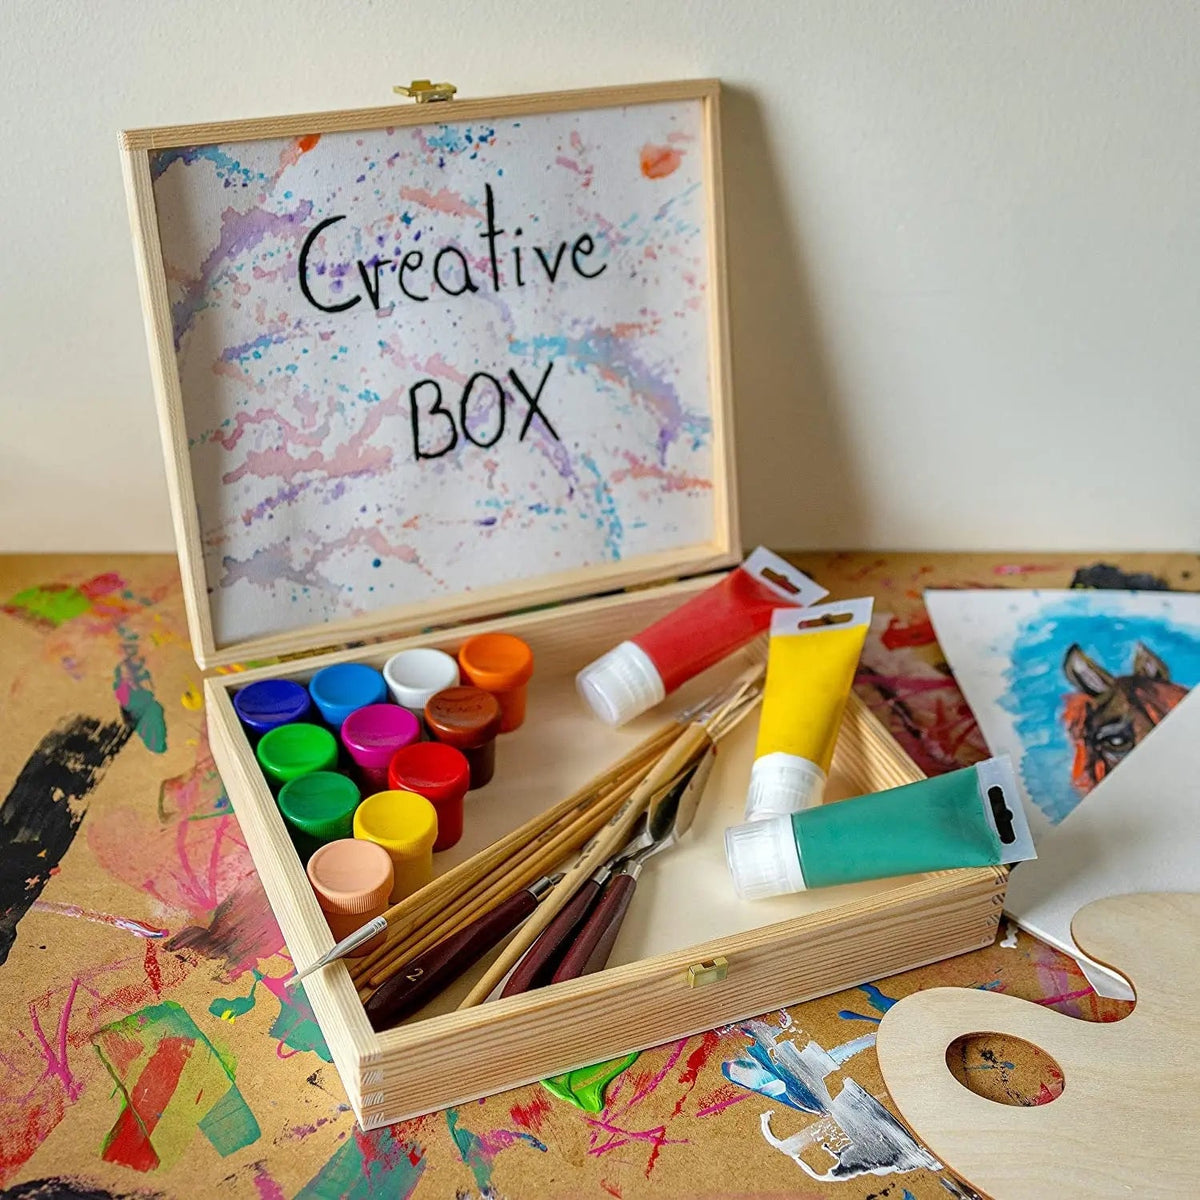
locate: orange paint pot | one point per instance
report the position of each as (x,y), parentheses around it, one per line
(352,880)
(503,665)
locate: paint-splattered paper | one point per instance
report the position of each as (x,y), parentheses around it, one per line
(1067,682)
(422,360)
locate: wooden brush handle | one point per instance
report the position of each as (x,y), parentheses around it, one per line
(541,959)
(590,950)
(429,973)
(691,742)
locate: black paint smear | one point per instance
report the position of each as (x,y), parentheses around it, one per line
(44,808)
(1110,578)
(241,925)
(65,1188)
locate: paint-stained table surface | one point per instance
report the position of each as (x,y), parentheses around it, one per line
(147,1046)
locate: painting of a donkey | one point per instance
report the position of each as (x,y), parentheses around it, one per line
(1108,715)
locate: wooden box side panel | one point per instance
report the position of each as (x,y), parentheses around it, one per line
(643,1004)
(419,558)
(335,1002)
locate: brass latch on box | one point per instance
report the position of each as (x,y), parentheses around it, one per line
(713,971)
(424,92)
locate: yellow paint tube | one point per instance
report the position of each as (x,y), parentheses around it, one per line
(814,652)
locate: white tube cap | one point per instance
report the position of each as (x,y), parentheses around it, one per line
(621,684)
(781,784)
(413,676)
(763,859)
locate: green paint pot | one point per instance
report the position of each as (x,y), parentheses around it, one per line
(317,809)
(294,750)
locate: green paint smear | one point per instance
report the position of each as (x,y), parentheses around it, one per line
(52,605)
(470,1150)
(149,720)
(229,1125)
(368,1166)
(297,1027)
(585,1087)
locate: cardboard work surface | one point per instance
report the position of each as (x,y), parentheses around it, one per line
(147,1047)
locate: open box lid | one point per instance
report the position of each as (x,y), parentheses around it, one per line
(418,364)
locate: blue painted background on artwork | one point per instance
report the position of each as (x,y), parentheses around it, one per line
(1037,687)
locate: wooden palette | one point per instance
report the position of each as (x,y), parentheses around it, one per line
(1126,1122)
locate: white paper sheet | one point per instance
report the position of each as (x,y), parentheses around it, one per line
(1138,831)
(1076,729)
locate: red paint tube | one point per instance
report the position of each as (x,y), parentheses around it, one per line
(641,672)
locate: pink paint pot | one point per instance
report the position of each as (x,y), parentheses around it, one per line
(372,735)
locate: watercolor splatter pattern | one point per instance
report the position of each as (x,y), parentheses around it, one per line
(148,1046)
(404,353)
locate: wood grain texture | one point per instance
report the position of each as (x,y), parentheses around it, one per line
(483,600)
(1126,1121)
(889,927)
(165,137)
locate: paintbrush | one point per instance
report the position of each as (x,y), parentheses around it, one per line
(347,945)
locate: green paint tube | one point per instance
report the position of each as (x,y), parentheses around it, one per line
(968,818)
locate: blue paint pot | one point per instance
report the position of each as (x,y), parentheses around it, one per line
(338,691)
(266,705)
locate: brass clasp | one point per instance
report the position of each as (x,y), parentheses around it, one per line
(713,971)
(424,92)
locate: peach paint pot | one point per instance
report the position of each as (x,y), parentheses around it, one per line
(468,719)
(405,825)
(372,735)
(503,665)
(353,882)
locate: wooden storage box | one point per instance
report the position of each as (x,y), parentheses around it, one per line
(308,402)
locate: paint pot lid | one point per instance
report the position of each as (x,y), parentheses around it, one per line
(781,784)
(497,662)
(434,770)
(338,690)
(414,675)
(375,732)
(621,684)
(321,804)
(351,876)
(402,822)
(296,749)
(763,859)
(466,717)
(271,702)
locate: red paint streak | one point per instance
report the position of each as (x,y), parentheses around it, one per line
(153,974)
(18,1145)
(102,585)
(720,1100)
(915,633)
(1064,996)
(659,161)
(1025,568)
(695,1063)
(128,1143)
(531,1115)
(307,142)
(611,1188)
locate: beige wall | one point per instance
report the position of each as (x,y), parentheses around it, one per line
(965,242)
